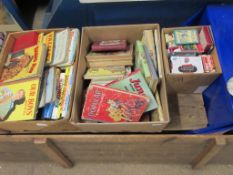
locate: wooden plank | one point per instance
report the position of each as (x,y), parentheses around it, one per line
(210,151)
(53,152)
(2,131)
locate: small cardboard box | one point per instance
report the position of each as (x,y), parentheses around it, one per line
(188,82)
(130,33)
(35,125)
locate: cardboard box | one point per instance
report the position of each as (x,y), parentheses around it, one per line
(131,33)
(188,82)
(35,125)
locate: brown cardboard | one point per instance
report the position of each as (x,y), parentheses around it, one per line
(131,33)
(188,83)
(36,125)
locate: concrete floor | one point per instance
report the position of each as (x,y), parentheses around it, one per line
(7,168)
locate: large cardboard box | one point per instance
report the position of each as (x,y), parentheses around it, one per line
(35,125)
(131,33)
(188,83)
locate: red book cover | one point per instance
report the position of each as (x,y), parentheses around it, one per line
(112,45)
(27,40)
(106,104)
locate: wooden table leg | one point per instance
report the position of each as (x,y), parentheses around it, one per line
(53,152)
(211,150)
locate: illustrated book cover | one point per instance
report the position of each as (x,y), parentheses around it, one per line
(135,82)
(24,64)
(19,101)
(106,104)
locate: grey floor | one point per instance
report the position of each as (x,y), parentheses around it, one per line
(7,168)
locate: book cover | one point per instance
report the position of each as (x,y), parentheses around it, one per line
(110,63)
(206,39)
(140,60)
(111,55)
(106,104)
(105,72)
(111,45)
(48,40)
(67,96)
(50,85)
(137,84)
(40,38)
(19,101)
(72,48)
(186,36)
(61,47)
(148,40)
(24,64)
(47,111)
(157,47)
(26,40)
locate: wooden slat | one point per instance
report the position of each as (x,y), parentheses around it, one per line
(210,151)
(53,152)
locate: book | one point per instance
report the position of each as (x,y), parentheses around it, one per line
(24,64)
(141,62)
(50,84)
(42,95)
(24,41)
(186,36)
(48,40)
(148,41)
(104,73)
(206,39)
(157,47)
(110,63)
(47,111)
(106,104)
(136,83)
(40,38)
(67,94)
(111,55)
(19,101)
(110,45)
(154,79)
(72,48)
(182,64)
(61,47)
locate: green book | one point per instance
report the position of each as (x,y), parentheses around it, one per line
(136,83)
(140,60)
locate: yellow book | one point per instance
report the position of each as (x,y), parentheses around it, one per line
(48,40)
(19,101)
(24,64)
(105,72)
(40,38)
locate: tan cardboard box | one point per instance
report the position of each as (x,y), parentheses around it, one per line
(188,83)
(36,125)
(131,33)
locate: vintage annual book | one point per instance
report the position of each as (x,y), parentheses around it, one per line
(110,63)
(140,61)
(104,73)
(111,55)
(72,48)
(111,45)
(208,63)
(154,79)
(157,46)
(106,104)
(26,40)
(19,101)
(136,83)
(186,36)
(61,47)
(49,40)
(24,64)
(206,39)
(148,41)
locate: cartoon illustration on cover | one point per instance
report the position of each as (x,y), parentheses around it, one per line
(8,101)
(15,66)
(123,111)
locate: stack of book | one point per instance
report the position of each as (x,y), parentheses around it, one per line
(38,72)
(124,93)
(189,50)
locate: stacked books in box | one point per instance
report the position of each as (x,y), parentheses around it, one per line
(123,79)
(38,75)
